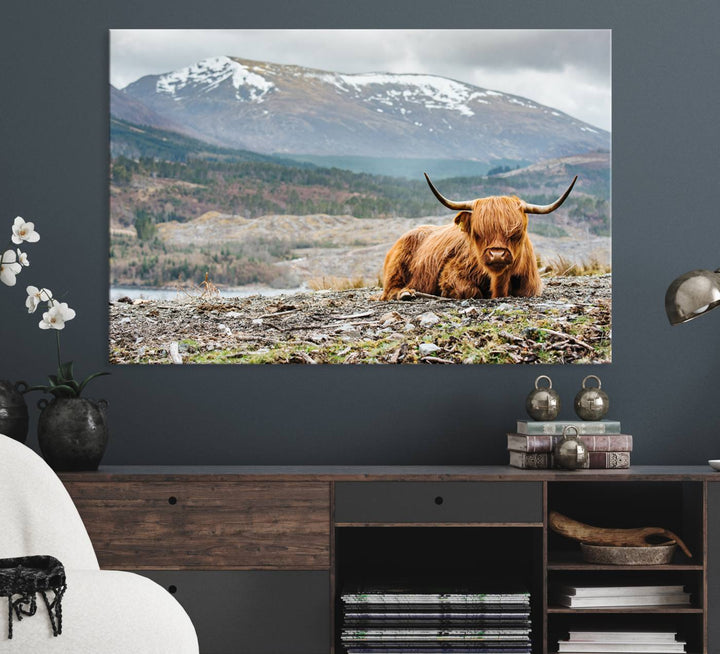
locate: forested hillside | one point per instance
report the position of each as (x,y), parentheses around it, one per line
(184,190)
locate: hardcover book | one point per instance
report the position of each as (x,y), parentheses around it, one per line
(530,460)
(623,648)
(624,636)
(604,591)
(555,427)
(668,599)
(546,442)
(545,460)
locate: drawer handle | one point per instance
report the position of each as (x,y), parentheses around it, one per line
(439,500)
(172,589)
(172,500)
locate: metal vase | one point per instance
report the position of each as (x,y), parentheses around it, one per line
(72,433)
(13,410)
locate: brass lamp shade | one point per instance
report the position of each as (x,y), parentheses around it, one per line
(691,295)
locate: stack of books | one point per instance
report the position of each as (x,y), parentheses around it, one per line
(647,642)
(583,597)
(531,446)
(384,621)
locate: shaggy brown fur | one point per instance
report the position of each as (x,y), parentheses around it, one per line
(485,253)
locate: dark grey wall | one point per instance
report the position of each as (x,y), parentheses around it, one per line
(663,382)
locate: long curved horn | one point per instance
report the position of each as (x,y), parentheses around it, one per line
(455,206)
(548,208)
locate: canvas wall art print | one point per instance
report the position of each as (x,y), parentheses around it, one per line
(360,196)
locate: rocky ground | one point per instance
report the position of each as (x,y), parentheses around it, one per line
(569,323)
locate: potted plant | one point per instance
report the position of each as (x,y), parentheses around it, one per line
(72,430)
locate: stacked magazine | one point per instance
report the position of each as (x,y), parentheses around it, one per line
(584,597)
(392,621)
(599,642)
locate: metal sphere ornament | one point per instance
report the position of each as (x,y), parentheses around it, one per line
(543,403)
(570,453)
(591,403)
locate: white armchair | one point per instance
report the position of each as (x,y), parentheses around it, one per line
(104,612)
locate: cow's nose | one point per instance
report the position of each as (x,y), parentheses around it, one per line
(498,255)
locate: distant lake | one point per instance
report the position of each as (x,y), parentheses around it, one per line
(138,292)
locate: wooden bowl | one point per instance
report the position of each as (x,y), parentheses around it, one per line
(620,555)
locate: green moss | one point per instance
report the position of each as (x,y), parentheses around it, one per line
(508,335)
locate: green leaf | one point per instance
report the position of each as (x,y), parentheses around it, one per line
(63,391)
(45,389)
(65,371)
(54,382)
(89,379)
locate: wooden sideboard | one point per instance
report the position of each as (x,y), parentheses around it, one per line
(258,555)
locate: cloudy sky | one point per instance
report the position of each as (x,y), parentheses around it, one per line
(565,69)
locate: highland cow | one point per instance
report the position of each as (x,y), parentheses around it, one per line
(484,253)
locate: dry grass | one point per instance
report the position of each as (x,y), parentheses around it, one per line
(209,290)
(561,266)
(205,290)
(332,283)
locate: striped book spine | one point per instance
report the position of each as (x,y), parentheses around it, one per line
(593,442)
(596,460)
(530,460)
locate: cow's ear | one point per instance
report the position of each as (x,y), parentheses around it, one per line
(462,220)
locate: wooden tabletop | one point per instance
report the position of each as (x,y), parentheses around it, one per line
(390,473)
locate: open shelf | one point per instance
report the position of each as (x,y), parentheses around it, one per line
(687,623)
(679,507)
(675,506)
(484,559)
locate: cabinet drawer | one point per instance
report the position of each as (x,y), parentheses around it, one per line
(453,502)
(231,525)
(254,611)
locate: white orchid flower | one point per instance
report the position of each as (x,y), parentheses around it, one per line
(22,231)
(22,258)
(9,267)
(36,296)
(56,316)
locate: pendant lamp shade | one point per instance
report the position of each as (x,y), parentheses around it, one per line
(691,295)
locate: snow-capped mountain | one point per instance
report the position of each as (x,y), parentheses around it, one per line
(219,73)
(272,108)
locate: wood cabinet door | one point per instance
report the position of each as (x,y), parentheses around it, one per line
(155,525)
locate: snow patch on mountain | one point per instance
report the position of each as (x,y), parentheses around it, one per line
(210,74)
(427,90)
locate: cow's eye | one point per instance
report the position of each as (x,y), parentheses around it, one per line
(516,236)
